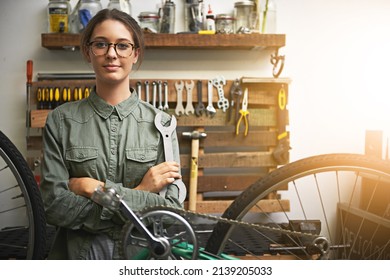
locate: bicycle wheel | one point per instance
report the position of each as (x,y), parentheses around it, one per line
(22,218)
(334,206)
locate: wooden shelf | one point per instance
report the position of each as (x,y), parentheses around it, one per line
(181,41)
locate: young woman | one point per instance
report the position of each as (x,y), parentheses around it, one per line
(107,139)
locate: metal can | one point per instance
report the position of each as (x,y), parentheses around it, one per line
(224,24)
(58,12)
(149,21)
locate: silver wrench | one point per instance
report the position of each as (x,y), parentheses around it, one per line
(210,108)
(139,89)
(166,133)
(179,105)
(223,102)
(154,84)
(147,91)
(189,107)
(160,106)
(166,106)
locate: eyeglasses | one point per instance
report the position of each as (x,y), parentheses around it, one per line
(122,49)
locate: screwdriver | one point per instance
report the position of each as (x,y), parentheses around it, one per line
(39,98)
(77,94)
(86,92)
(50,100)
(45,98)
(65,94)
(56,97)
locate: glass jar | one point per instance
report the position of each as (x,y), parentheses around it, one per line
(243,13)
(149,21)
(58,13)
(193,15)
(121,5)
(167,24)
(86,11)
(224,24)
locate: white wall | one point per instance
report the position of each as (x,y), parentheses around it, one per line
(337,53)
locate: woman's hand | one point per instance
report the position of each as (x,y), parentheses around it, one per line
(84,186)
(159,176)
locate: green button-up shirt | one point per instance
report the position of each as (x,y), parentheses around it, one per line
(113,144)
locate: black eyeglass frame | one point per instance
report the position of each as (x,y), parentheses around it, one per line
(112,44)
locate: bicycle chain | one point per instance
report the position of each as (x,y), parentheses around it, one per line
(185,213)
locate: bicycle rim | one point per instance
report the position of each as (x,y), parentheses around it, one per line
(340,200)
(22,218)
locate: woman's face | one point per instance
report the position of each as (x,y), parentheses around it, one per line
(110,67)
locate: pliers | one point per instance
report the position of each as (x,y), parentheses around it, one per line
(244,114)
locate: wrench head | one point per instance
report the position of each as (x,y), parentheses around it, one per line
(199,109)
(189,85)
(189,110)
(165,130)
(211,111)
(220,80)
(223,103)
(179,85)
(179,111)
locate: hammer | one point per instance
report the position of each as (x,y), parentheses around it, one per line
(194,136)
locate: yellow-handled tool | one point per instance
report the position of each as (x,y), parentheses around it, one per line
(56,97)
(65,94)
(39,98)
(86,92)
(244,115)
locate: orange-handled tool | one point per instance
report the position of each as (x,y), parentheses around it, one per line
(29,71)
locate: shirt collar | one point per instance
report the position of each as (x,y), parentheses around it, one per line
(123,109)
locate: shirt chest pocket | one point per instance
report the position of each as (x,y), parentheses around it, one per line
(138,162)
(82,161)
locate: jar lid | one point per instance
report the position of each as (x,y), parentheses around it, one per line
(148,15)
(244,3)
(224,16)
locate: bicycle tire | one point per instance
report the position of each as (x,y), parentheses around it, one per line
(20,201)
(303,171)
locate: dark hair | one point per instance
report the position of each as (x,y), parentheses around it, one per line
(114,14)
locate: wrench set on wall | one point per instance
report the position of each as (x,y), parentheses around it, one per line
(160,94)
(200,98)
